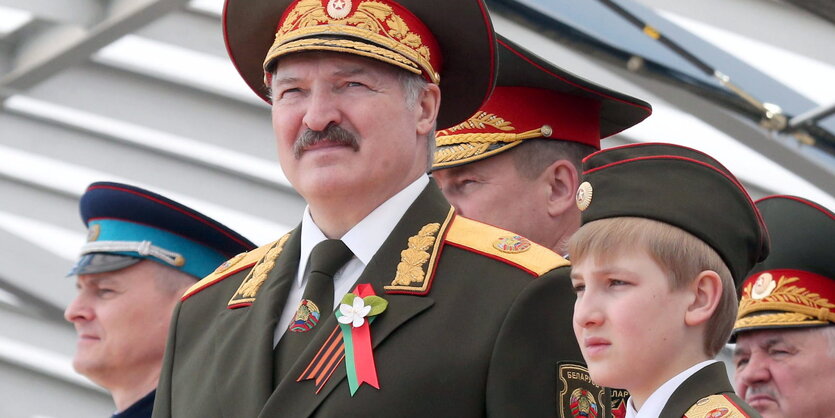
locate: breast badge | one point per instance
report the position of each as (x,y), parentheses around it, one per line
(307,316)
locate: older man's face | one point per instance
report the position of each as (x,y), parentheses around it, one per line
(786,373)
(493,191)
(122,319)
(362,139)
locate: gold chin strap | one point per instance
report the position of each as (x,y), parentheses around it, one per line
(463,146)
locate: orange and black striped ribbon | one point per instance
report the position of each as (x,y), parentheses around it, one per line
(325,361)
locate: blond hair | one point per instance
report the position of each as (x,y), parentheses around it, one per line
(680,255)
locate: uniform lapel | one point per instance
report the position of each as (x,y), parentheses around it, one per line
(710,380)
(299,399)
(248,332)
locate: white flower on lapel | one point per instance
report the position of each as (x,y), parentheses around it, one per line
(355,313)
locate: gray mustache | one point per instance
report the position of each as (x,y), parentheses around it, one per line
(333,133)
(760,390)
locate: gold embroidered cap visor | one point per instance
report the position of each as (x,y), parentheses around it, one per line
(416,35)
(536,99)
(795,286)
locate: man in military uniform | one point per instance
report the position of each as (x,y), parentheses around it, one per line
(515,163)
(434,312)
(785,331)
(143,252)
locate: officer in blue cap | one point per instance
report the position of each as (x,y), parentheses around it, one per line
(143,252)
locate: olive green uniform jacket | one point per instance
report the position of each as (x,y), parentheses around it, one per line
(707,393)
(474,331)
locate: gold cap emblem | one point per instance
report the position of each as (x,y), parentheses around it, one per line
(763,286)
(584,193)
(339,9)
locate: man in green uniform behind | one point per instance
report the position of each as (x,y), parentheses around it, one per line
(382,302)
(516,162)
(785,330)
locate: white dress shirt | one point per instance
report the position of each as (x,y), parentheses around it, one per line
(658,400)
(364,239)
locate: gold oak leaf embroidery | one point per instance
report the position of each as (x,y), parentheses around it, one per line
(785,294)
(478,121)
(250,286)
(412,259)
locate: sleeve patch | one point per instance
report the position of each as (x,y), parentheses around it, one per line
(578,395)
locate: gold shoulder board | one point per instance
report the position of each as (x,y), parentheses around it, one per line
(503,245)
(715,405)
(229,267)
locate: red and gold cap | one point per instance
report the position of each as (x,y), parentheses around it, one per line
(795,285)
(451,43)
(536,99)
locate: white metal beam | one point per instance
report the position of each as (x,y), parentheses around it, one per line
(223,159)
(43,361)
(76,45)
(74,12)
(70,179)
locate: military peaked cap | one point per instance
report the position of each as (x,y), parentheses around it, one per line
(795,285)
(536,99)
(127,224)
(450,42)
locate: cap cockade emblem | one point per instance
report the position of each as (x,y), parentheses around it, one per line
(763,287)
(93,232)
(339,9)
(584,194)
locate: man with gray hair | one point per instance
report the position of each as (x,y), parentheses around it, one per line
(785,331)
(382,302)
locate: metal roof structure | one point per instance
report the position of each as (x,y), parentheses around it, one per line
(141,91)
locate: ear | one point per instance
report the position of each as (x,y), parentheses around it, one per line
(427,108)
(707,291)
(563,180)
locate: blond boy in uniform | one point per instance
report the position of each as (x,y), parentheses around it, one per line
(666,232)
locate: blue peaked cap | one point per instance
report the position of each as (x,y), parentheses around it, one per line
(127,224)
